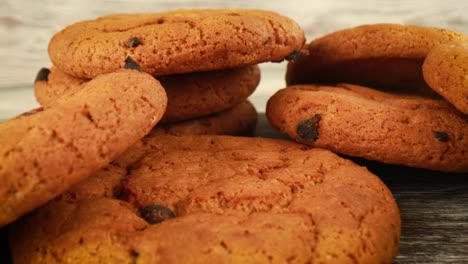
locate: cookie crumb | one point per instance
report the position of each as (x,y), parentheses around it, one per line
(131,64)
(42,75)
(155,214)
(133,42)
(308,129)
(441,136)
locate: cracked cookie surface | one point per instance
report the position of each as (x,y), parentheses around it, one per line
(189,95)
(45,151)
(446,71)
(234,199)
(383,56)
(409,130)
(175,42)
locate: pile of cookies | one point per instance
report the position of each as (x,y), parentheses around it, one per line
(110,169)
(402,119)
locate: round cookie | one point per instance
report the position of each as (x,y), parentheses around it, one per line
(384,56)
(409,130)
(189,95)
(175,42)
(237,121)
(235,199)
(45,151)
(446,71)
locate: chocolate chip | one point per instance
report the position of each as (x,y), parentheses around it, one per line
(29,113)
(131,64)
(441,136)
(32,112)
(133,42)
(134,255)
(308,129)
(155,214)
(294,55)
(42,75)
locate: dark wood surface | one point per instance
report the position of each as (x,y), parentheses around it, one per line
(433,206)
(434,213)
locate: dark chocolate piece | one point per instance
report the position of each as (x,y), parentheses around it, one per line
(155,214)
(42,75)
(32,112)
(441,136)
(133,42)
(131,64)
(294,55)
(308,129)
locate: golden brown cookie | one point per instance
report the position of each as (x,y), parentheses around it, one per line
(45,151)
(189,95)
(175,42)
(237,121)
(214,199)
(384,56)
(446,71)
(362,122)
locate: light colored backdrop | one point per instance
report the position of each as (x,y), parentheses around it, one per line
(27,25)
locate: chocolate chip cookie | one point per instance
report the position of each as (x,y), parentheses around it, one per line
(175,42)
(409,130)
(212,199)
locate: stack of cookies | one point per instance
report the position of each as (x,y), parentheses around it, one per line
(104,76)
(106,171)
(211,102)
(403,118)
(205,60)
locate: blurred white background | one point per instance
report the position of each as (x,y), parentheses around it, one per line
(27,25)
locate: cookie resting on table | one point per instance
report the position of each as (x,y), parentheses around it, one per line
(212,199)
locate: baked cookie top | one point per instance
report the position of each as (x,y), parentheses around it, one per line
(175,42)
(409,130)
(45,151)
(387,56)
(446,71)
(207,199)
(189,95)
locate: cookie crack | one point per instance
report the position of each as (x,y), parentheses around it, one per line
(157,21)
